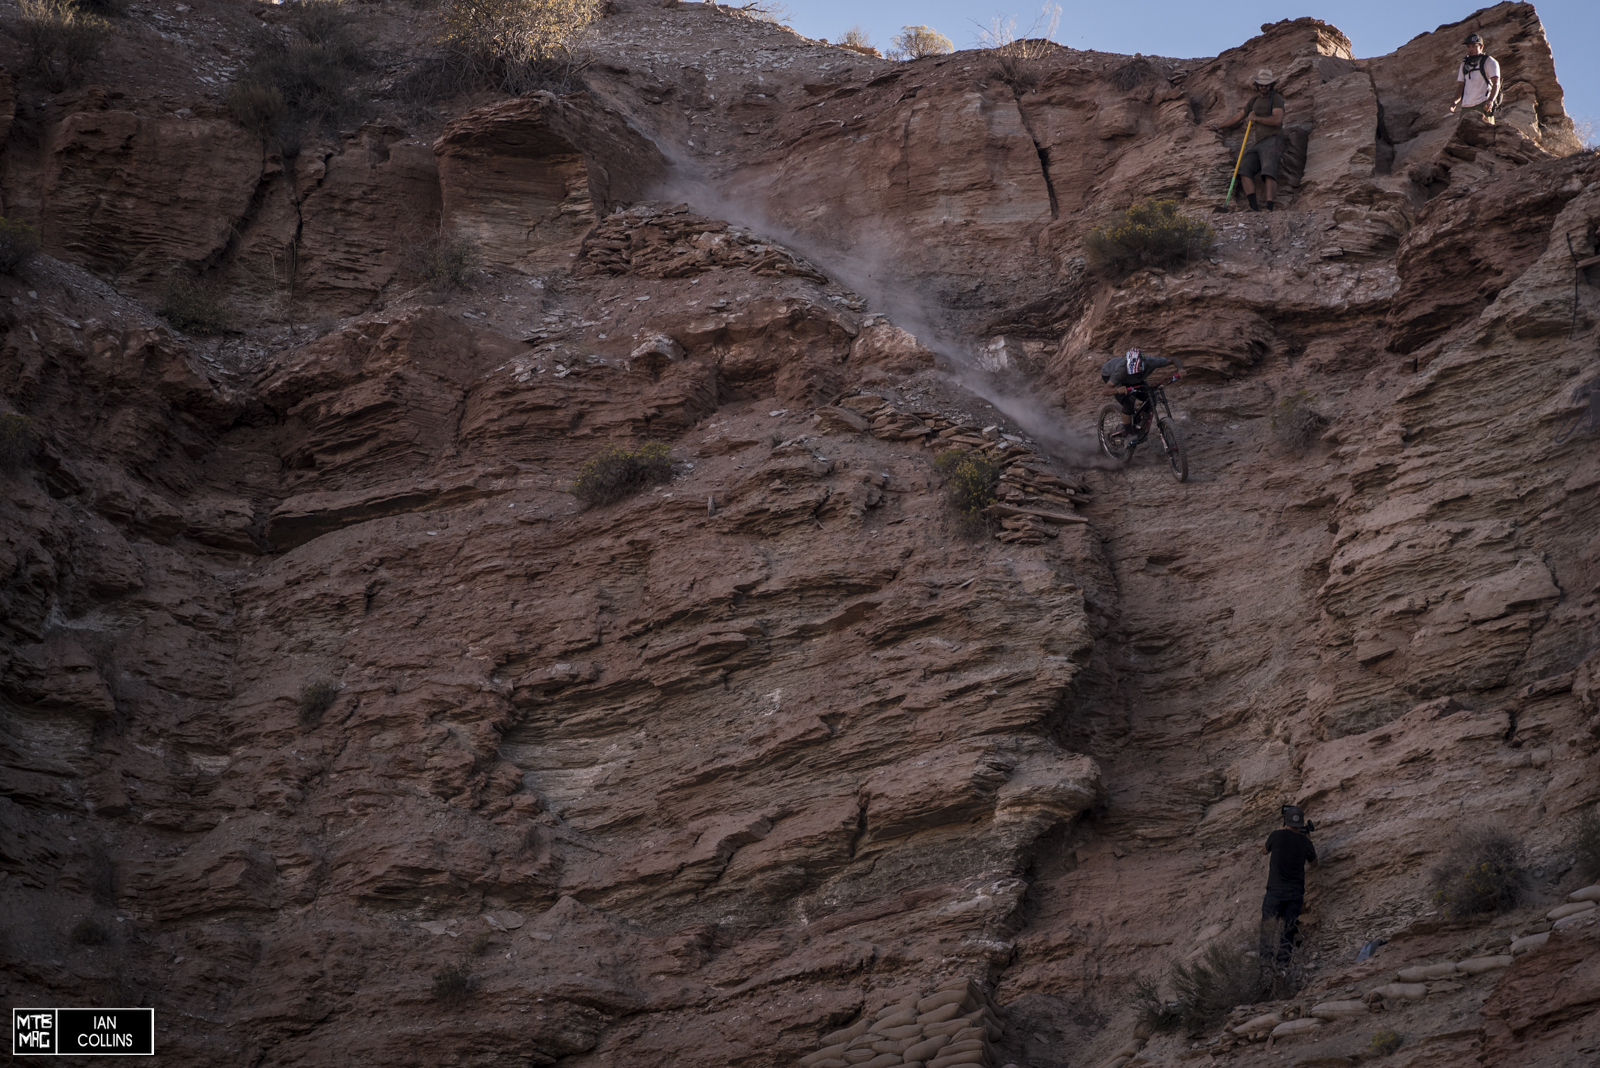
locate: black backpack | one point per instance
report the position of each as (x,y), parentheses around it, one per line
(1474,64)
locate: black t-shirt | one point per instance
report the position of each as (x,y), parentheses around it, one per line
(1291,851)
(1115,370)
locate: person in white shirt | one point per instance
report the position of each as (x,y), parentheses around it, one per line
(1479,79)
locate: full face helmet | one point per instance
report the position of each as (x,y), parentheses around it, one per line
(1135,362)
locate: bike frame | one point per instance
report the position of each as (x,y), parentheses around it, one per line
(1150,400)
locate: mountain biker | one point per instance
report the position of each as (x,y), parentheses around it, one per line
(1291,850)
(1479,78)
(1126,375)
(1263,109)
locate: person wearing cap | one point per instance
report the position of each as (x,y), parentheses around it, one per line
(1479,79)
(1263,109)
(1291,850)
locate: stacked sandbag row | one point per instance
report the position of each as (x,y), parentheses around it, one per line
(1031,503)
(1581,908)
(954,1026)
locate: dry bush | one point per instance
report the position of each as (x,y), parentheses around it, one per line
(1223,978)
(1385,1042)
(1296,424)
(194,305)
(1586,845)
(310,78)
(1148,234)
(856,37)
(18,440)
(19,243)
(915,42)
(512,45)
(60,38)
(1483,870)
(1132,74)
(315,699)
(258,106)
(450,260)
(759,11)
(452,984)
(1018,61)
(617,473)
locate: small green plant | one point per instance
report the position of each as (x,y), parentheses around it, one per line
(1296,423)
(315,699)
(18,440)
(972,480)
(1586,844)
(19,243)
(88,933)
(1385,1042)
(452,984)
(61,38)
(616,472)
(1148,234)
(1481,871)
(194,305)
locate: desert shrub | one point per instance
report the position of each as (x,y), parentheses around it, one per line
(972,478)
(258,105)
(1586,845)
(479,944)
(1222,978)
(452,984)
(1296,423)
(88,933)
(1017,60)
(315,699)
(915,42)
(1148,234)
(856,37)
(451,260)
(18,440)
(513,45)
(1481,871)
(1385,1041)
(19,243)
(60,39)
(616,473)
(759,11)
(194,305)
(1132,74)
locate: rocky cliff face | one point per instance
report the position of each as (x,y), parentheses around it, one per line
(726,771)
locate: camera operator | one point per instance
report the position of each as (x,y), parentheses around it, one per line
(1291,850)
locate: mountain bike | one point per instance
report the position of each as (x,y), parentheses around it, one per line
(1150,406)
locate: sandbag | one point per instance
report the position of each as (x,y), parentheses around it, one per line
(964,1045)
(1585,916)
(1588,893)
(941,1014)
(899,1045)
(1479,965)
(860,1056)
(921,1051)
(951,1027)
(884,1060)
(1422,973)
(897,1019)
(847,1033)
(895,1034)
(940,998)
(1290,1028)
(960,981)
(1522,945)
(1338,1010)
(947,1060)
(1561,912)
(1401,991)
(1258,1025)
(823,1054)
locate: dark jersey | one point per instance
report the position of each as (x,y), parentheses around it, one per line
(1262,107)
(1115,371)
(1291,851)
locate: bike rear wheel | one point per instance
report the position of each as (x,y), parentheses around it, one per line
(1113,435)
(1177,455)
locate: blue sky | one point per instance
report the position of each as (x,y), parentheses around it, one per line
(1186,30)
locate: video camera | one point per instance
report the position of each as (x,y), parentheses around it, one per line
(1294,817)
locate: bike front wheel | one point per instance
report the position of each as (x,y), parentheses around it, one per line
(1113,435)
(1177,455)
